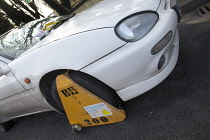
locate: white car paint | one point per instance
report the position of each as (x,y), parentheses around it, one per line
(105,14)
(142,87)
(88,43)
(134,60)
(59,58)
(13,105)
(8,83)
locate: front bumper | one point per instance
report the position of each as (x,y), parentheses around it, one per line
(126,68)
(142,87)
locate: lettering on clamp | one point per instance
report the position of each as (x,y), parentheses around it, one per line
(69,91)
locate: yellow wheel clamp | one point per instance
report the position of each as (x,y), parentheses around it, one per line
(83,108)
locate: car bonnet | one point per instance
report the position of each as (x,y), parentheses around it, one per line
(105,14)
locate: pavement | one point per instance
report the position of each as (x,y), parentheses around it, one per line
(187,5)
(177,109)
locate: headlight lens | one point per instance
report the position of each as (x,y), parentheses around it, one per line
(135,27)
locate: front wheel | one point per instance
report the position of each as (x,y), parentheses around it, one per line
(91,84)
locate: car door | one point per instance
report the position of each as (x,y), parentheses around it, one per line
(8,83)
(15,101)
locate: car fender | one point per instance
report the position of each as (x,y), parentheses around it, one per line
(73,52)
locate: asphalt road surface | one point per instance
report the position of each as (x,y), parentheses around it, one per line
(177,109)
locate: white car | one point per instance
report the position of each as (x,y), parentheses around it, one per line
(117,48)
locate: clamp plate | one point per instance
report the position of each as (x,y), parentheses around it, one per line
(82,107)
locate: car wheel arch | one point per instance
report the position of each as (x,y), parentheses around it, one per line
(46,82)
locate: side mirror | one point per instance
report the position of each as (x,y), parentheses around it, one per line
(4,71)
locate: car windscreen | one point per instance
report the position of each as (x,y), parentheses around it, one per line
(19,40)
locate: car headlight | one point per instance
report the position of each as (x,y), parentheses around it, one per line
(136,26)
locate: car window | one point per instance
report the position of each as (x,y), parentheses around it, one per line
(17,41)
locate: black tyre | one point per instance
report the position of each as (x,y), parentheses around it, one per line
(55,95)
(4,127)
(91,84)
